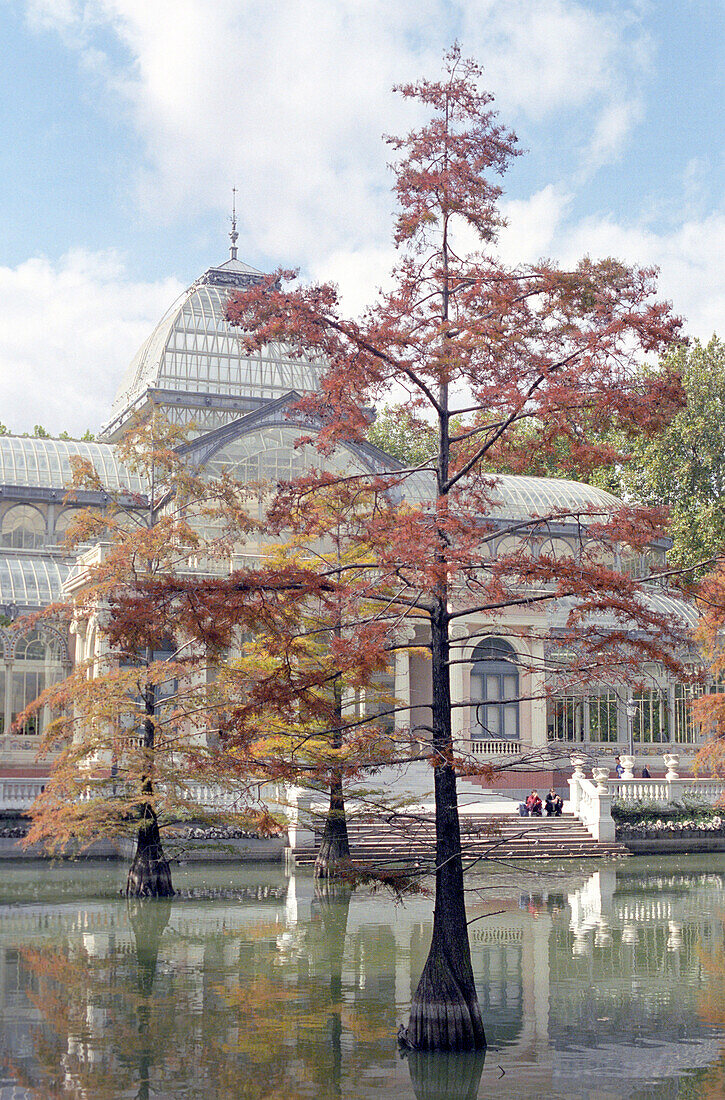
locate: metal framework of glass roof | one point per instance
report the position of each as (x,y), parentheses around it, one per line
(46,463)
(519,497)
(194,350)
(32,581)
(657,600)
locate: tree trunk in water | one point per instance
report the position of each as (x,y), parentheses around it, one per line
(445,1013)
(334,848)
(150,875)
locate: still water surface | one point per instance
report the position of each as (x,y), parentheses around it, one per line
(598,980)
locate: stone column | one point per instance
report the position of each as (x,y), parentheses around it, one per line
(537,682)
(300,832)
(577,762)
(603,827)
(460,716)
(404,636)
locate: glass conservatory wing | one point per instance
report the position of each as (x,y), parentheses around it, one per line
(669,605)
(46,463)
(660,604)
(32,581)
(270,455)
(520,497)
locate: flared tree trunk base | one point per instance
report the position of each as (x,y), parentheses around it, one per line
(442,1016)
(150,874)
(333,856)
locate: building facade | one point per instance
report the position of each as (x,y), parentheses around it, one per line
(234,408)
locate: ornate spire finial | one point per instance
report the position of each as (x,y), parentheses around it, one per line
(234,236)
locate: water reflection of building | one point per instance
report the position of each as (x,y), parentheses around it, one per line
(588,983)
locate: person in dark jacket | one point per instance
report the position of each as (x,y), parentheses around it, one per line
(554,804)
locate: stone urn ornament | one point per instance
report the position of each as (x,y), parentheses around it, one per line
(601,778)
(672,762)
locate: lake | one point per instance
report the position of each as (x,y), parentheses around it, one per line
(596,981)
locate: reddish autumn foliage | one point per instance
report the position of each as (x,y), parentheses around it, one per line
(709,708)
(362,557)
(497,348)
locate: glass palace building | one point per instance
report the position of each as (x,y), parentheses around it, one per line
(235,408)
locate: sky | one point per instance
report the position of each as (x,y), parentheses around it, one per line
(124,125)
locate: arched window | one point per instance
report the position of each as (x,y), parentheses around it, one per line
(63,522)
(23,526)
(38,662)
(494,691)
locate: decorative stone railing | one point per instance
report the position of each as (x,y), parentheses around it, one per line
(19,794)
(493,748)
(667,790)
(591,799)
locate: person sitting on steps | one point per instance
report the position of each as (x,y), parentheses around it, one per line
(554,804)
(533,804)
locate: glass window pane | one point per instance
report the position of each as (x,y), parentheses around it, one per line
(509,725)
(510,687)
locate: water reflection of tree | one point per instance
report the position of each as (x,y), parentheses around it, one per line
(440,1076)
(258,1012)
(710,1084)
(121,1026)
(330,909)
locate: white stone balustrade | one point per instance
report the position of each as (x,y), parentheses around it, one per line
(590,800)
(487,749)
(19,794)
(667,790)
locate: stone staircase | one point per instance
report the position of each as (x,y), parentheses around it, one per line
(410,840)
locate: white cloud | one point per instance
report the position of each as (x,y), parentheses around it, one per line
(289,99)
(68,330)
(545,56)
(689,257)
(613,126)
(533,225)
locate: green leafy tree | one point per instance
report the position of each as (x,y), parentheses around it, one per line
(683,466)
(403,436)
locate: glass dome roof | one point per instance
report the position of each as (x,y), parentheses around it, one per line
(518,497)
(194,350)
(32,581)
(658,601)
(45,463)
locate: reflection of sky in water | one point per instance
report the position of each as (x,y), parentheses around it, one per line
(592,983)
